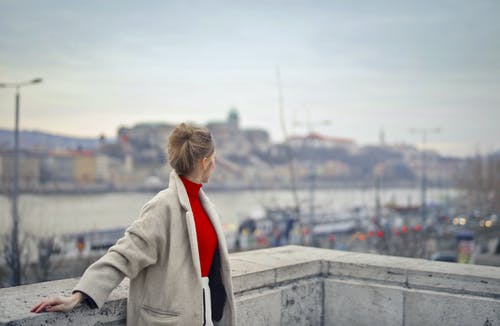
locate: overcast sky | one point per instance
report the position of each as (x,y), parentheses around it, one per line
(362,65)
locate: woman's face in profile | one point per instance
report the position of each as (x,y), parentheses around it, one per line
(210,166)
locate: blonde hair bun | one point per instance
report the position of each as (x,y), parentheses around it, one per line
(186,145)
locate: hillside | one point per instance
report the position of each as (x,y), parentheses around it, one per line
(31,139)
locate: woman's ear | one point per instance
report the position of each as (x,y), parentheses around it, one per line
(204,163)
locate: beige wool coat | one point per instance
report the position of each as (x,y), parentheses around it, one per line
(159,254)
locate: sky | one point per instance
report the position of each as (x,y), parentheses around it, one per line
(348,68)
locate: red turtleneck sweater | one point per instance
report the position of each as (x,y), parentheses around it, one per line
(205,232)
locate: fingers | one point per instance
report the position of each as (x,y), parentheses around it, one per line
(40,307)
(60,307)
(45,305)
(53,304)
(36,307)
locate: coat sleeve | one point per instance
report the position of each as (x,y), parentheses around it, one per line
(137,249)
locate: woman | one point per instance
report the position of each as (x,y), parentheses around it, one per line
(175,254)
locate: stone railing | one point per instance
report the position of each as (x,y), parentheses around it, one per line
(296,285)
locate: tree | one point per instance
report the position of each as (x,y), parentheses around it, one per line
(480,178)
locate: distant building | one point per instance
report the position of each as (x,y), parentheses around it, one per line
(57,167)
(103,171)
(28,170)
(315,140)
(259,138)
(83,167)
(336,169)
(146,135)
(146,143)
(85,170)
(233,119)
(382,137)
(235,143)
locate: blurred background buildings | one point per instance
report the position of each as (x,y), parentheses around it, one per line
(136,159)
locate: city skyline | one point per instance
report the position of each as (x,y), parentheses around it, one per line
(363,66)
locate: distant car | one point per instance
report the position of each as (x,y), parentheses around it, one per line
(447,256)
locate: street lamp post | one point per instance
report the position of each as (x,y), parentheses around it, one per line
(13,255)
(424,132)
(312,170)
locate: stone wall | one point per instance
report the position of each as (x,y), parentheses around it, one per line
(296,285)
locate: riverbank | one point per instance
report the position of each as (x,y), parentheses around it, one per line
(68,189)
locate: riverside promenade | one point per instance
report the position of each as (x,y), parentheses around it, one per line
(295,285)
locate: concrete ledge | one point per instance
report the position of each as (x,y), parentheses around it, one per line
(477,280)
(433,308)
(16,302)
(357,303)
(271,267)
(296,285)
(267,304)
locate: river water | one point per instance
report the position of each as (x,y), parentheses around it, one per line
(48,215)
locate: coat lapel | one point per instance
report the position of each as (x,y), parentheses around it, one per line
(214,218)
(191,228)
(212,215)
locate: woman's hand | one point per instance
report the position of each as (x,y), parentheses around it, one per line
(63,304)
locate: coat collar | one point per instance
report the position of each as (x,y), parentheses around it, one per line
(176,184)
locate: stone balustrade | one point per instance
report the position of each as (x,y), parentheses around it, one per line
(296,285)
